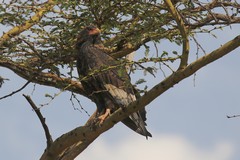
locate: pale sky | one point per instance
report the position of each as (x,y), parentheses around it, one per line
(187,122)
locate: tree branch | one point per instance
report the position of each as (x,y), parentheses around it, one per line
(14,92)
(215,4)
(83,136)
(48,79)
(42,120)
(216,16)
(28,24)
(54,80)
(183,31)
(234,116)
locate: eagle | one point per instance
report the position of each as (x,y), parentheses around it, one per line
(106,80)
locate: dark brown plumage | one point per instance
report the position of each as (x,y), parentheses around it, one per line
(108,84)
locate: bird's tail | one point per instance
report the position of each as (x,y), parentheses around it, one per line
(136,123)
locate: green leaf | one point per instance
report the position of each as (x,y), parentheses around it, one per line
(140,81)
(164,54)
(175,52)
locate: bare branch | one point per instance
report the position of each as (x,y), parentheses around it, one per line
(42,120)
(73,96)
(234,116)
(14,92)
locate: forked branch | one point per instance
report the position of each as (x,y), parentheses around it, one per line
(42,120)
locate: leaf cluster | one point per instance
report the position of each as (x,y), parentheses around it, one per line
(49,45)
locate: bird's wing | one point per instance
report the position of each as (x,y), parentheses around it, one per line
(112,75)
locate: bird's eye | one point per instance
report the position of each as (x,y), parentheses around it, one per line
(90,29)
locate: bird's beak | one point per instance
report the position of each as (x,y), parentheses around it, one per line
(95,31)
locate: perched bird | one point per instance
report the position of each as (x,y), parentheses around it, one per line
(106,80)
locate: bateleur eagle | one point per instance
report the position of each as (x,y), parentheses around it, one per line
(106,80)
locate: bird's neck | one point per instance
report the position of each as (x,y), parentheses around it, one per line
(95,39)
(91,41)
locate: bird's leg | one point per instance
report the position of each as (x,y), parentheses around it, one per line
(104,116)
(123,107)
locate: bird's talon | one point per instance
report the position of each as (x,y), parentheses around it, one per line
(104,116)
(102,119)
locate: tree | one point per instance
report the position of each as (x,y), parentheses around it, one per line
(39,46)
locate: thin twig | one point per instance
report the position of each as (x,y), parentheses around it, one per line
(73,96)
(160,67)
(227,14)
(199,46)
(147,69)
(54,96)
(234,116)
(165,64)
(34,88)
(14,92)
(42,120)
(208,10)
(31,46)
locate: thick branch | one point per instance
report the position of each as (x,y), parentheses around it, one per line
(28,24)
(42,120)
(48,79)
(183,31)
(85,134)
(54,80)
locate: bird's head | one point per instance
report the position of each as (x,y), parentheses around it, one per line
(92,30)
(89,33)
